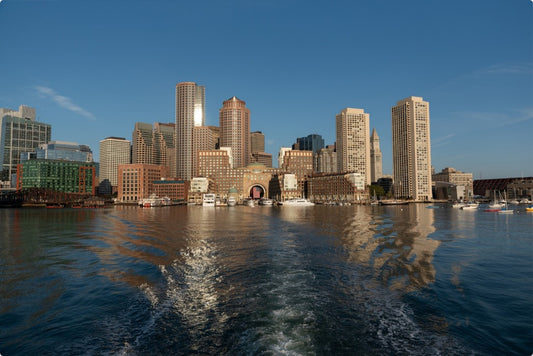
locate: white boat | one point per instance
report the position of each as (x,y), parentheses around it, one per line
(297,202)
(209,199)
(470,206)
(266,202)
(152,201)
(525,201)
(249,202)
(393,202)
(232,201)
(496,205)
(458,205)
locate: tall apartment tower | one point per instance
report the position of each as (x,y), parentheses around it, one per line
(353,142)
(235,130)
(376,164)
(19,133)
(190,113)
(113,151)
(142,146)
(411,149)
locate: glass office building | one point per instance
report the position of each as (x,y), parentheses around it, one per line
(61,176)
(19,133)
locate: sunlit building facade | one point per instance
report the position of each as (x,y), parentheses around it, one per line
(353,142)
(235,130)
(114,151)
(411,149)
(190,113)
(204,138)
(136,181)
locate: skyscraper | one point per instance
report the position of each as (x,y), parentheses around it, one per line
(411,149)
(257,141)
(165,146)
(19,133)
(190,112)
(376,165)
(235,130)
(113,151)
(353,142)
(154,145)
(142,146)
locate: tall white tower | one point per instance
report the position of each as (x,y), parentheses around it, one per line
(353,142)
(411,149)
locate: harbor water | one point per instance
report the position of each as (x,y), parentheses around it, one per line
(321,280)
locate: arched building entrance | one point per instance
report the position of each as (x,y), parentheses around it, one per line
(256,192)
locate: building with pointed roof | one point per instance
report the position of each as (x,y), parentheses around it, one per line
(376,164)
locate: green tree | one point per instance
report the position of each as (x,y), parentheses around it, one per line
(376,190)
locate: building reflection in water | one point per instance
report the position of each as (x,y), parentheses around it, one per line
(188,250)
(398,246)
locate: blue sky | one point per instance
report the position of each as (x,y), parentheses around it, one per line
(94,68)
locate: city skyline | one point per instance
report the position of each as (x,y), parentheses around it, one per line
(94,79)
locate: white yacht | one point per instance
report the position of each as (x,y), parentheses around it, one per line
(297,202)
(266,202)
(249,202)
(232,201)
(152,201)
(470,206)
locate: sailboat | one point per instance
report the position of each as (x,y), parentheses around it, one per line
(374,199)
(494,206)
(505,209)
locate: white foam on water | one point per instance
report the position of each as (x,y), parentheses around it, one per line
(395,328)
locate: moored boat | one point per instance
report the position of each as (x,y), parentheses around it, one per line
(154,201)
(393,202)
(266,202)
(249,202)
(232,201)
(297,202)
(470,206)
